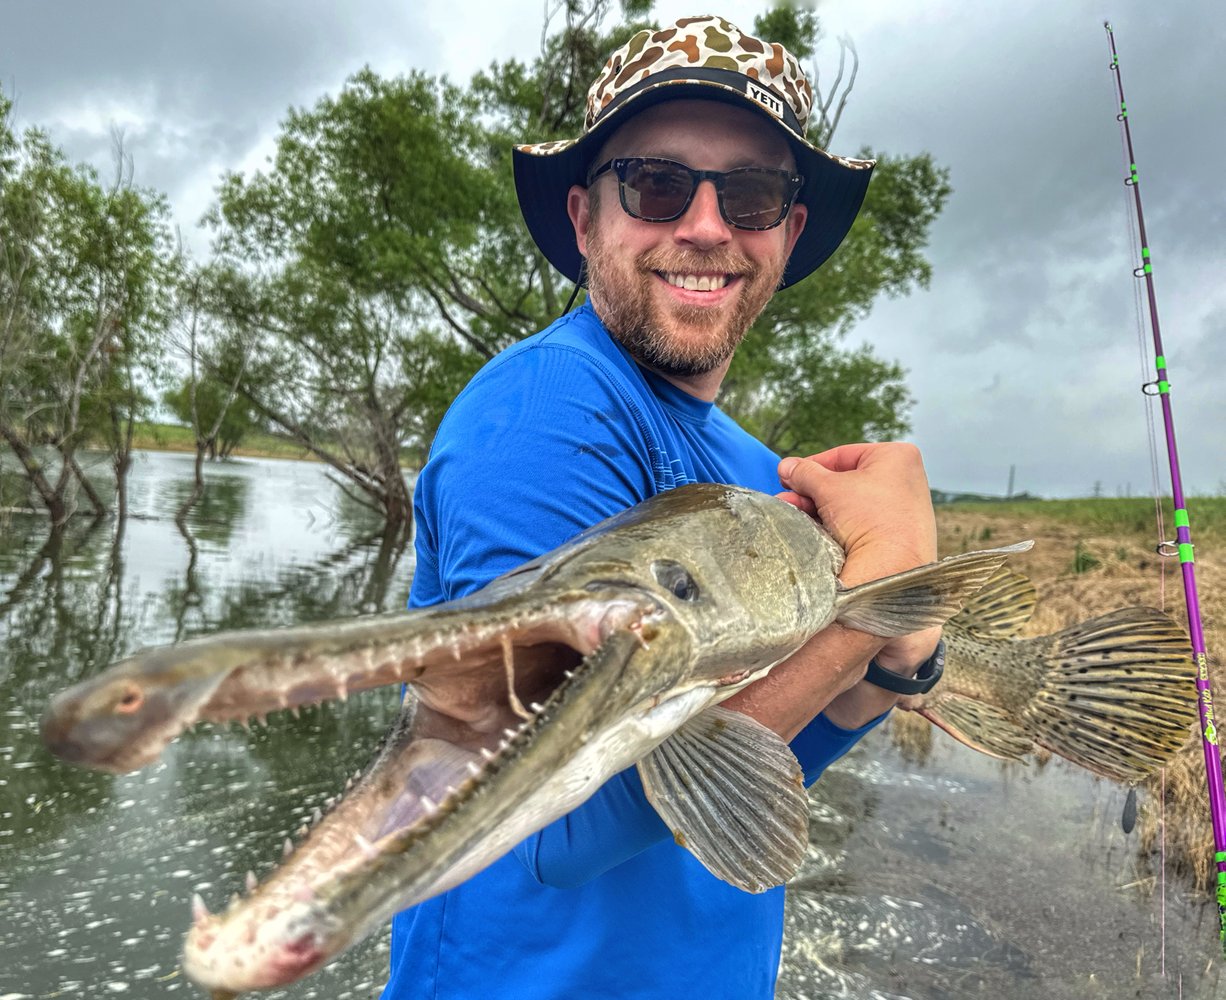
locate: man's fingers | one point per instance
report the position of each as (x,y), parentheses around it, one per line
(796,500)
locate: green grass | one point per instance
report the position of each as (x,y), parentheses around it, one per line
(172,437)
(1109,515)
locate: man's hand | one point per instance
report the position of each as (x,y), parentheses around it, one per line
(875,501)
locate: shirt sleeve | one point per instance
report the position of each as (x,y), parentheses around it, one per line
(821,743)
(539,447)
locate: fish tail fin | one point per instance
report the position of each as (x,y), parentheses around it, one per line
(920,598)
(1119,694)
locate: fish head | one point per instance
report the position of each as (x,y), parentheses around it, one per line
(740,578)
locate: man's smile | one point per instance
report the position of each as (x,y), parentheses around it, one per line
(692,288)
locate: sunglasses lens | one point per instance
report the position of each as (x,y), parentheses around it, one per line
(755,199)
(656,190)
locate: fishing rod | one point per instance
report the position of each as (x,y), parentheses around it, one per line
(1182,546)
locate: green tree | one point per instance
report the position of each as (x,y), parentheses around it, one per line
(83,270)
(345,258)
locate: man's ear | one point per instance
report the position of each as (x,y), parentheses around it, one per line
(798,214)
(578,207)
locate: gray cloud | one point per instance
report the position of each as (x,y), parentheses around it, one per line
(1023,352)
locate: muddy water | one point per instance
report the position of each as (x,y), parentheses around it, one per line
(954,877)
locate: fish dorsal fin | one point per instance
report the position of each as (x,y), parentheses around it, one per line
(980,726)
(920,598)
(733,794)
(1001,608)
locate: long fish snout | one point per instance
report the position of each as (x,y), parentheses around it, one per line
(118,722)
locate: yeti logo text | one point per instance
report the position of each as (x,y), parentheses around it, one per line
(768,100)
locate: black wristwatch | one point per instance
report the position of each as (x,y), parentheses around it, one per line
(924,680)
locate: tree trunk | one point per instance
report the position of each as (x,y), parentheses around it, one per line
(395,499)
(123,464)
(51,496)
(95,501)
(197,489)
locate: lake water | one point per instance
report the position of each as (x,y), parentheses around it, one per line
(952,877)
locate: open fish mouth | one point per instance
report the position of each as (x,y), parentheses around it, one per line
(476,667)
(479,696)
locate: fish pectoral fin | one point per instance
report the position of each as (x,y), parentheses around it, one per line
(980,726)
(733,794)
(920,598)
(1001,608)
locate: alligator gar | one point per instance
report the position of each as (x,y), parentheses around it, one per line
(614,649)
(1115,694)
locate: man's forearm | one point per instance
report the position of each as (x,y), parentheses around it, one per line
(826,674)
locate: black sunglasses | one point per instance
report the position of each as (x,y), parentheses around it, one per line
(658,190)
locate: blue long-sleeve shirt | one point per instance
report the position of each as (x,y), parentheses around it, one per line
(556,433)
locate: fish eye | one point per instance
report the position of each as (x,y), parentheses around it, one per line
(130,700)
(676,579)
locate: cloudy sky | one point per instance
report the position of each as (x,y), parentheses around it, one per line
(1024,350)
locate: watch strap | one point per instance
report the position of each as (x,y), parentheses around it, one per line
(924,680)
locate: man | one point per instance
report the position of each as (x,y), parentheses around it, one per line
(691,196)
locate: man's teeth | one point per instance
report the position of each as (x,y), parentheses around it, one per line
(697,282)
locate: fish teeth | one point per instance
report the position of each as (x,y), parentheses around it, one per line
(510,734)
(287,848)
(366,846)
(302,831)
(316,816)
(251,882)
(487,753)
(428,804)
(537,707)
(200,912)
(473,768)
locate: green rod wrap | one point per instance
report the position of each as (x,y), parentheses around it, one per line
(1181,521)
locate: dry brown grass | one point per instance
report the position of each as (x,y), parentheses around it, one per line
(1090,557)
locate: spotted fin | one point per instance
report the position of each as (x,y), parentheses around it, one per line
(980,726)
(1001,608)
(1120,696)
(733,794)
(920,598)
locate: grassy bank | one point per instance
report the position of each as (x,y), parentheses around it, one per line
(172,437)
(1090,557)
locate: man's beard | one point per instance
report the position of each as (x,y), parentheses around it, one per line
(648,331)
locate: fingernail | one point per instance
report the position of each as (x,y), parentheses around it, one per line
(786,467)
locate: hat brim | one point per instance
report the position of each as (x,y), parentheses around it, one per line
(833,191)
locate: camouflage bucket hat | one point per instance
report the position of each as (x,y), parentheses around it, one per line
(702,57)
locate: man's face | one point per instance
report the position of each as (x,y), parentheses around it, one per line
(637,270)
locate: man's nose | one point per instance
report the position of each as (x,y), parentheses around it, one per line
(702,224)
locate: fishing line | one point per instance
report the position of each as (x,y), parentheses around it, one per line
(1182,546)
(1147,402)
(1147,408)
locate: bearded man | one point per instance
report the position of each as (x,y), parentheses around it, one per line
(691,196)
